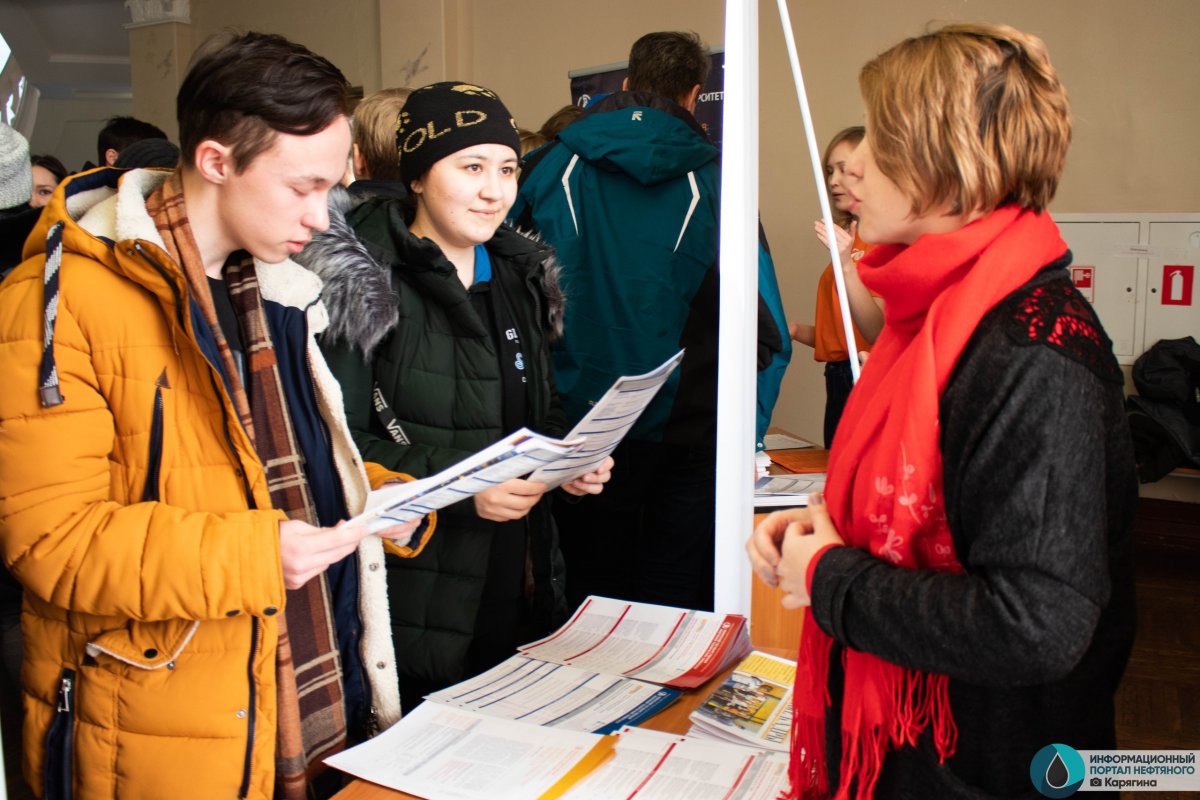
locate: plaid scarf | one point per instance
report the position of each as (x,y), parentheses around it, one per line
(310,704)
(885,489)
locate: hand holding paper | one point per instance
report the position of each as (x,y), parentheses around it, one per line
(591,482)
(509,500)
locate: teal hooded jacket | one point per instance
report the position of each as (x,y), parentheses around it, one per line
(630,198)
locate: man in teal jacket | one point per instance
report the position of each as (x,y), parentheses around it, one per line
(630,198)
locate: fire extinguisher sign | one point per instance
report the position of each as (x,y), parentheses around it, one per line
(1084,279)
(1177,284)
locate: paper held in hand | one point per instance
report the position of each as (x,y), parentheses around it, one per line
(606,424)
(515,455)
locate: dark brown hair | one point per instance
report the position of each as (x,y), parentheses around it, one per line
(120,132)
(51,164)
(667,63)
(243,89)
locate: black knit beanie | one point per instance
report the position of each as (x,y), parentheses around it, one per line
(446,117)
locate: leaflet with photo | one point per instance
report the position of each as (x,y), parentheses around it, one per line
(515,455)
(752,707)
(675,647)
(607,422)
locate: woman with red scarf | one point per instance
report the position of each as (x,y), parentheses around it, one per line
(968,571)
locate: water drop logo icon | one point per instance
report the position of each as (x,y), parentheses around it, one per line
(1057,770)
(1057,775)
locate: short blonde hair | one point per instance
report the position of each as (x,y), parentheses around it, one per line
(530,141)
(852,135)
(375,132)
(970,114)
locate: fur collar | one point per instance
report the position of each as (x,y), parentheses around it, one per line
(363,306)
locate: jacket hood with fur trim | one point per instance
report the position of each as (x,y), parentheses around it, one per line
(358,291)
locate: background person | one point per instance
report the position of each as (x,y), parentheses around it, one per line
(17,216)
(48,173)
(637,236)
(969,579)
(826,335)
(120,132)
(373,155)
(446,316)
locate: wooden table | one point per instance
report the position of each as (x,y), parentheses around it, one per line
(672,719)
(771,625)
(773,629)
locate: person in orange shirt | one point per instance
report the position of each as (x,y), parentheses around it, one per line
(825,335)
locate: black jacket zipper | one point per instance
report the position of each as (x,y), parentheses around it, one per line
(154,462)
(181,318)
(60,740)
(250,709)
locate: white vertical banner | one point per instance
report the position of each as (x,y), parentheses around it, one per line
(737,346)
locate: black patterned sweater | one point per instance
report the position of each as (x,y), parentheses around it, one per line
(1040,493)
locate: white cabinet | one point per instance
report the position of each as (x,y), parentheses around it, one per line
(1174,304)
(1141,272)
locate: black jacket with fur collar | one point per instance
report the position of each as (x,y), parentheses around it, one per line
(398,300)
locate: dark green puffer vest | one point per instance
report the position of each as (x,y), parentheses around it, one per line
(439,371)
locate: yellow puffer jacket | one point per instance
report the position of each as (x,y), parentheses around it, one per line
(159,617)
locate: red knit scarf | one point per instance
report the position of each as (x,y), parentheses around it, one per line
(884,487)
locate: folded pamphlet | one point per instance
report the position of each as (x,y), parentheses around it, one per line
(515,455)
(659,644)
(607,422)
(752,707)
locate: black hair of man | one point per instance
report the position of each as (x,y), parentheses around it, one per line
(120,132)
(667,63)
(242,89)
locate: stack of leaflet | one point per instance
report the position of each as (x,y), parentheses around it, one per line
(752,707)
(447,753)
(671,646)
(781,491)
(533,726)
(651,765)
(452,754)
(557,696)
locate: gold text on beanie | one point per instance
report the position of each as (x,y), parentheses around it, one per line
(443,118)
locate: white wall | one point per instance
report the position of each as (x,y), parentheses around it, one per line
(67,128)
(1132,71)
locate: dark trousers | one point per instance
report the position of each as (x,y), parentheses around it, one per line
(839,380)
(648,537)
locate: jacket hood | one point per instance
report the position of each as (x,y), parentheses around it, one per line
(108,205)
(647,137)
(358,292)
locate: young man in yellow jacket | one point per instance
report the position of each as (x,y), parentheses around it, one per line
(175,462)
